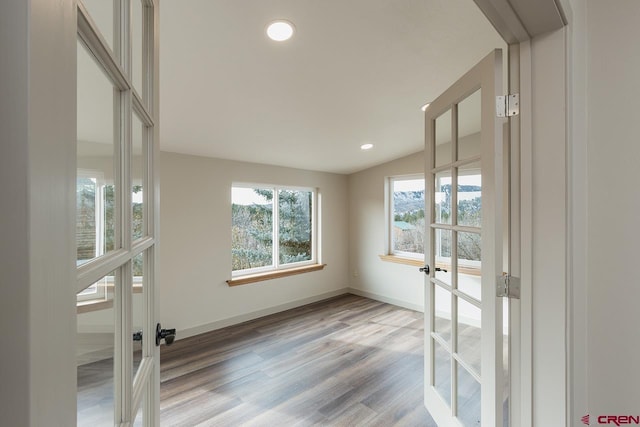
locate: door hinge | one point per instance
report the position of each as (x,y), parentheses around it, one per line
(508,105)
(508,286)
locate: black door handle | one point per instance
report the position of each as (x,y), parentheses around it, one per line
(426,269)
(168,335)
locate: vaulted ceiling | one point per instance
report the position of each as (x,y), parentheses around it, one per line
(355,72)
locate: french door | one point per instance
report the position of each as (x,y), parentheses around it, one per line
(464,339)
(117,212)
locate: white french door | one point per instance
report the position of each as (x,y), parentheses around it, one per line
(117,212)
(464,350)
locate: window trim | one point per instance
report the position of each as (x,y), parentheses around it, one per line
(275,268)
(391,254)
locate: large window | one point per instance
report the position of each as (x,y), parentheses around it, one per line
(406,216)
(272,228)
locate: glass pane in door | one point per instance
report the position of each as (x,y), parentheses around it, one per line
(95,344)
(442,372)
(470,264)
(443,139)
(443,239)
(138,153)
(95,191)
(469,142)
(442,315)
(136,45)
(101,12)
(470,195)
(469,398)
(138,420)
(469,334)
(138,310)
(443,197)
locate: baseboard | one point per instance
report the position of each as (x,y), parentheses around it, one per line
(382,298)
(208,327)
(100,334)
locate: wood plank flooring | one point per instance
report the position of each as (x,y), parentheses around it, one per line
(348,361)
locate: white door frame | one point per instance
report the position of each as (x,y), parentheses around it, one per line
(37,225)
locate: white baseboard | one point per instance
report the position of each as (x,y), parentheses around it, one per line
(382,298)
(208,327)
(100,334)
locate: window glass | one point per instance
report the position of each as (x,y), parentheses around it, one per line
(295,216)
(251,228)
(407,224)
(264,215)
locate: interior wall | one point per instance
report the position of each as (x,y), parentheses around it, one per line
(613,342)
(549,230)
(195,251)
(370,276)
(14,224)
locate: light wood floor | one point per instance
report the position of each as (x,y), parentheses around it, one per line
(348,361)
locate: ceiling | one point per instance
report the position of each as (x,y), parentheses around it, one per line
(355,72)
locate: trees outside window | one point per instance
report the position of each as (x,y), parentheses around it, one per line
(95,223)
(407,216)
(271,228)
(407,213)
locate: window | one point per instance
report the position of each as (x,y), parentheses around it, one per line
(272,228)
(406,216)
(93,236)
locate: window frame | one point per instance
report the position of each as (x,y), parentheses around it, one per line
(390,216)
(97,291)
(275,250)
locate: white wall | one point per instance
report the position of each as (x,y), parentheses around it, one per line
(613,126)
(387,281)
(195,252)
(549,231)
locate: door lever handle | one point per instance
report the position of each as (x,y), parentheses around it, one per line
(168,335)
(426,269)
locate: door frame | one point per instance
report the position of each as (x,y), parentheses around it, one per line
(37,249)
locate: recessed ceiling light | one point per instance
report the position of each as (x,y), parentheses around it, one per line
(424,107)
(366,146)
(280,30)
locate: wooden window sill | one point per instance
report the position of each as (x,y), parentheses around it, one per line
(420,263)
(93,305)
(403,260)
(259,277)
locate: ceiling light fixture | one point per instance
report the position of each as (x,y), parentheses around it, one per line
(425,106)
(366,146)
(280,30)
